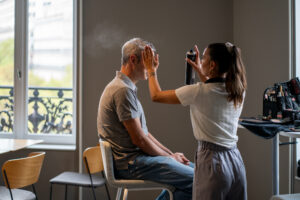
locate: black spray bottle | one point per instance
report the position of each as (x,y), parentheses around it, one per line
(189,72)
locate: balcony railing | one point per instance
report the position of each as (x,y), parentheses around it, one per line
(49,110)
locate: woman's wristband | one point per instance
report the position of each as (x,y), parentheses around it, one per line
(151,73)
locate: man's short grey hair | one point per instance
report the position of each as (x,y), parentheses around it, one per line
(135,46)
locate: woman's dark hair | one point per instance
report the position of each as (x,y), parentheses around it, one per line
(229,61)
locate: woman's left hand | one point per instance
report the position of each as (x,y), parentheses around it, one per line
(151,62)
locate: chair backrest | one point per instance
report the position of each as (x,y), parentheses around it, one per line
(23,171)
(107,161)
(94,159)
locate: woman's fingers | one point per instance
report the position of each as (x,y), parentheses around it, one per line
(156,57)
(150,60)
(148,53)
(156,61)
(197,54)
(196,49)
(147,57)
(194,64)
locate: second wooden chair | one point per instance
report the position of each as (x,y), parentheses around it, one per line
(18,173)
(92,159)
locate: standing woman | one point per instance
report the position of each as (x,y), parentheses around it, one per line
(215,107)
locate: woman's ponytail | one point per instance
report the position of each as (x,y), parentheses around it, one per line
(229,61)
(235,81)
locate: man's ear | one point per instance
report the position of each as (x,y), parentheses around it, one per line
(133,59)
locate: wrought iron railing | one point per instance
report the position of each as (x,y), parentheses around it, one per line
(49,110)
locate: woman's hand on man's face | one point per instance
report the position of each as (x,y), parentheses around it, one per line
(151,62)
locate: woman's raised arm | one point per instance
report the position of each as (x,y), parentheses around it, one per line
(151,63)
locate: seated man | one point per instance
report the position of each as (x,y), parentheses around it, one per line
(121,122)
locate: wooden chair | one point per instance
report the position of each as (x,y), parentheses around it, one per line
(93,163)
(18,173)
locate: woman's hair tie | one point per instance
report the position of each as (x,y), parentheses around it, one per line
(230,47)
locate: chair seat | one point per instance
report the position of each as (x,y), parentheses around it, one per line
(18,194)
(78,179)
(286,197)
(140,184)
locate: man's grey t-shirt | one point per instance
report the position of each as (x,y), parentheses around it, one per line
(118,103)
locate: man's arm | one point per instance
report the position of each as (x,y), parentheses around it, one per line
(160,145)
(149,144)
(177,156)
(140,139)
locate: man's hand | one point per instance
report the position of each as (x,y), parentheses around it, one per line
(180,158)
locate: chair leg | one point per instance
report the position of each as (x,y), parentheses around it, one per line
(50,191)
(10,192)
(66,192)
(33,188)
(170,194)
(119,193)
(125,194)
(94,193)
(5,176)
(107,192)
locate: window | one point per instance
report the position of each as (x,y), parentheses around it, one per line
(37,70)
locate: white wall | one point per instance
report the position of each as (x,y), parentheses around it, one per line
(261,30)
(174,27)
(259,27)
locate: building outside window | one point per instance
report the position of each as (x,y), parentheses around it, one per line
(37,70)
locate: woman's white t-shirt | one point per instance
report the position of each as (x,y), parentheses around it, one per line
(214,118)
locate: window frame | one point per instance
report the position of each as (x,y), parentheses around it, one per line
(21,80)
